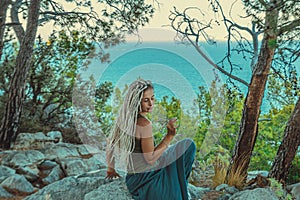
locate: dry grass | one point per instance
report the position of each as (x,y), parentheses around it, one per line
(236,176)
(220,168)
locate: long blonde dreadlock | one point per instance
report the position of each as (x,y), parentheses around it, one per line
(121,139)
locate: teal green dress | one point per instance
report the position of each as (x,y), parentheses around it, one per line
(167,179)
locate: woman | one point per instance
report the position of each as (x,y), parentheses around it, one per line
(153,172)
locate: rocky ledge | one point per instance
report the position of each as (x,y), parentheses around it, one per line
(42,167)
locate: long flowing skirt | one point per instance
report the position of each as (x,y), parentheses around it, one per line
(169,182)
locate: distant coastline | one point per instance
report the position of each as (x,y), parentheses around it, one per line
(176,69)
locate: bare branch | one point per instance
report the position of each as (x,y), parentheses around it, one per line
(192,28)
(216,66)
(183,24)
(289,27)
(52,15)
(241,27)
(263,3)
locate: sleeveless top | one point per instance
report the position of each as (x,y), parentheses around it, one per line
(137,162)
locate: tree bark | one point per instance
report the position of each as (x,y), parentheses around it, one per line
(251,111)
(10,122)
(14,13)
(288,148)
(3,10)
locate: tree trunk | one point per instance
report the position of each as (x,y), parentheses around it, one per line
(14,13)
(251,111)
(10,122)
(288,148)
(3,10)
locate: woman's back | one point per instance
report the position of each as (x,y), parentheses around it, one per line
(137,163)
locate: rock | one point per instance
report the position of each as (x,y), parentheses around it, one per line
(31,140)
(114,190)
(295,190)
(69,188)
(117,189)
(55,175)
(98,173)
(253,174)
(31,173)
(47,165)
(23,158)
(231,190)
(6,171)
(224,197)
(60,151)
(2,178)
(221,187)
(94,164)
(4,193)
(197,173)
(56,136)
(62,171)
(17,184)
(46,168)
(256,194)
(86,150)
(197,192)
(226,188)
(92,137)
(74,166)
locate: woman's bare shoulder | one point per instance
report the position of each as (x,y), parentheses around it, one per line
(143,128)
(143,122)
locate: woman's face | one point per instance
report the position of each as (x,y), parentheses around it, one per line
(147,101)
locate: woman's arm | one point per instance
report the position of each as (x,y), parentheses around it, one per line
(110,160)
(151,153)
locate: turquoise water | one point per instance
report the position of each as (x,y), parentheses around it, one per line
(175,69)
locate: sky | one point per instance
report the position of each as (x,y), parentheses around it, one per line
(159,30)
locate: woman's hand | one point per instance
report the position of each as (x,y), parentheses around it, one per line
(111,174)
(171,126)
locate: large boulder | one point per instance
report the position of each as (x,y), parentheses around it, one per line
(17,184)
(57,170)
(69,188)
(93,185)
(31,173)
(197,192)
(74,166)
(227,189)
(253,174)
(55,136)
(20,158)
(4,194)
(6,171)
(55,175)
(36,140)
(113,190)
(295,190)
(256,194)
(60,151)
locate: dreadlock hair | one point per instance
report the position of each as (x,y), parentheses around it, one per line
(122,135)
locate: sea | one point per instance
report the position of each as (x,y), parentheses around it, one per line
(175,69)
